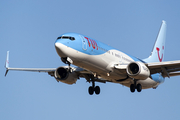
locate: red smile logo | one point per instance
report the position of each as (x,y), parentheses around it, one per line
(160,58)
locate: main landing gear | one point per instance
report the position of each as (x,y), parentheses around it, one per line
(93,88)
(135,86)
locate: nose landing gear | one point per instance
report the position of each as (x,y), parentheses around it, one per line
(68,61)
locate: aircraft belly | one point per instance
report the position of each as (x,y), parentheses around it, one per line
(97,65)
(148,83)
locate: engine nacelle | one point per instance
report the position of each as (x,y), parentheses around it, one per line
(138,70)
(62,74)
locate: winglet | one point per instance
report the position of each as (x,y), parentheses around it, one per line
(7,63)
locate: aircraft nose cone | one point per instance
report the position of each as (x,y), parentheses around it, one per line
(56,45)
(59,49)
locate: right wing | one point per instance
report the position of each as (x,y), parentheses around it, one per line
(48,70)
(51,71)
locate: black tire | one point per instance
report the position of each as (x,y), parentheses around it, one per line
(132,88)
(97,90)
(139,87)
(91,90)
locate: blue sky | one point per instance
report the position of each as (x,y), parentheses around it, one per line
(28,29)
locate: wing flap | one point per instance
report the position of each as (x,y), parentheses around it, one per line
(174,74)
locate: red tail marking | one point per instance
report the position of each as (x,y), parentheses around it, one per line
(160,59)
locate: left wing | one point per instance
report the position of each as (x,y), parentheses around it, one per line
(168,69)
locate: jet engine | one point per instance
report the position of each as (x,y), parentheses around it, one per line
(138,70)
(64,75)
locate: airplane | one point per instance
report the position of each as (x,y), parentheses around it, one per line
(98,62)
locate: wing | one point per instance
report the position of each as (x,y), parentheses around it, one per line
(79,71)
(49,70)
(168,69)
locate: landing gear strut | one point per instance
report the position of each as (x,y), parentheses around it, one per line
(93,88)
(68,61)
(135,86)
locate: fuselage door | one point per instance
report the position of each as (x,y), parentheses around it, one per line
(84,43)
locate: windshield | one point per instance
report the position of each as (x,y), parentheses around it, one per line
(66,37)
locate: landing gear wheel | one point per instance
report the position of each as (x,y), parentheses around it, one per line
(91,90)
(132,88)
(97,90)
(139,87)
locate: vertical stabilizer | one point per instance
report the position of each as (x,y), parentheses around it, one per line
(157,54)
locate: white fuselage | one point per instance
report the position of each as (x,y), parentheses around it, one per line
(102,65)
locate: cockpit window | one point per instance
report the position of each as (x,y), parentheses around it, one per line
(66,37)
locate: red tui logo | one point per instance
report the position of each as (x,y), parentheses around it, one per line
(160,58)
(92,42)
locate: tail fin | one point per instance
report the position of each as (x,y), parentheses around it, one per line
(157,54)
